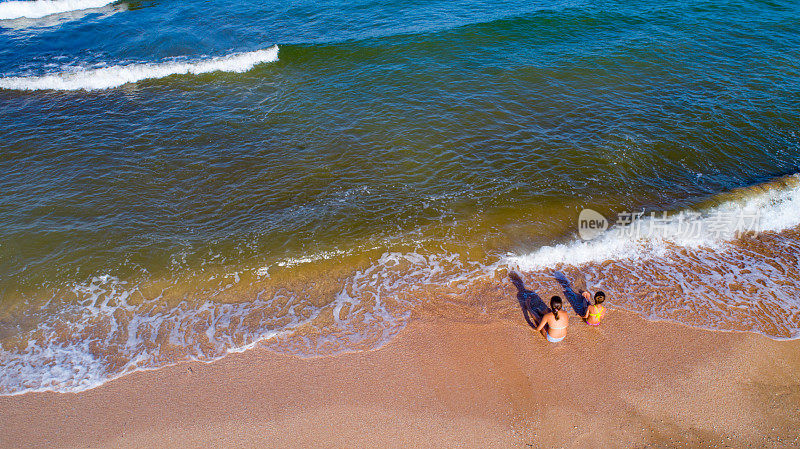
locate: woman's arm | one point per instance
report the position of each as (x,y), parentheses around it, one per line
(543,322)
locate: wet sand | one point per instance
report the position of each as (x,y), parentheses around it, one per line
(448,383)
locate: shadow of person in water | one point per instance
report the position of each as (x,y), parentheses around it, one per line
(576,300)
(533,308)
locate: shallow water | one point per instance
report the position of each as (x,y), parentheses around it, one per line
(173,188)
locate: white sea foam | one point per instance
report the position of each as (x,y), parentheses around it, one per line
(324,255)
(115,76)
(42,8)
(106,335)
(652,235)
(111,329)
(27,24)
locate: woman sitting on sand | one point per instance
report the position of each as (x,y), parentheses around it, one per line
(556,322)
(596,312)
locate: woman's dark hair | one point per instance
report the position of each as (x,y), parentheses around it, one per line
(555,304)
(599,297)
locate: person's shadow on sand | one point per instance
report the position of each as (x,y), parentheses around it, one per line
(577,301)
(533,308)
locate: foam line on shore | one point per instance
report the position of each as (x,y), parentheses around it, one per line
(114,328)
(118,75)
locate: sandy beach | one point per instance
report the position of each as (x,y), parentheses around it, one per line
(448,383)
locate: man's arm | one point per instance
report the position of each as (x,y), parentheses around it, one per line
(588,297)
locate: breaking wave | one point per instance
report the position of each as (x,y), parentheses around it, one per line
(771,207)
(118,75)
(41,8)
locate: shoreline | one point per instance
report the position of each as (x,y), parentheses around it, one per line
(448,382)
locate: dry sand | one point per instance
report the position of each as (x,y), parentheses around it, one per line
(448,383)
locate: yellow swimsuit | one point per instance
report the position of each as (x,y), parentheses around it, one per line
(596,315)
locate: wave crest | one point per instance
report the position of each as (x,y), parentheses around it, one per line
(42,8)
(774,206)
(115,76)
